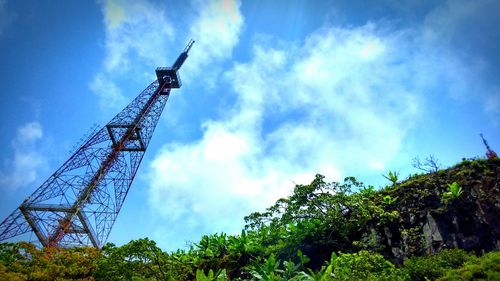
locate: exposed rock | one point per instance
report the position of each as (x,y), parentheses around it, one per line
(432,235)
(426,224)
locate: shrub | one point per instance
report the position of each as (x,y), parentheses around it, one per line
(486,267)
(455,191)
(364,265)
(434,266)
(393,177)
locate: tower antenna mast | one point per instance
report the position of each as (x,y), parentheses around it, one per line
(78,204)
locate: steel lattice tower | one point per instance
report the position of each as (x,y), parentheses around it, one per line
(79,203)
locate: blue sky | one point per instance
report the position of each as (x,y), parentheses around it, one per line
(273,93)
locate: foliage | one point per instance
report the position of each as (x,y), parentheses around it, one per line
(268,270)
(455,191)
(433,266)
(322,231)
(272,269)
(219,276)
(413,240)
(320,218)
(486,267)
(364,265)
(137,259)
(23,261)
(393,177)
(388,200)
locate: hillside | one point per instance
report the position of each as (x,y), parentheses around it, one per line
(471,221)
(441,224)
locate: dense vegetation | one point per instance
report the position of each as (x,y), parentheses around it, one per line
(409,230)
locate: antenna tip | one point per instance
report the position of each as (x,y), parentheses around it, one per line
(189,45)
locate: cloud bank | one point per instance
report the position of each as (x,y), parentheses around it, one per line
(338,103)
(341,103)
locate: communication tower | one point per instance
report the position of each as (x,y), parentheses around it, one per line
(79,203)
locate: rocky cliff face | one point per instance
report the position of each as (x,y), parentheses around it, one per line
(428,223)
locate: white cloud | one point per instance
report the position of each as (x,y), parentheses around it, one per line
(137,33)
(216,30)
(110,94)
(27,160)
(341,102)
(30,132)
(136,28)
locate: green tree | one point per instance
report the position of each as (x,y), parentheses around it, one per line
(23,261)
(137,259)
(319,217)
